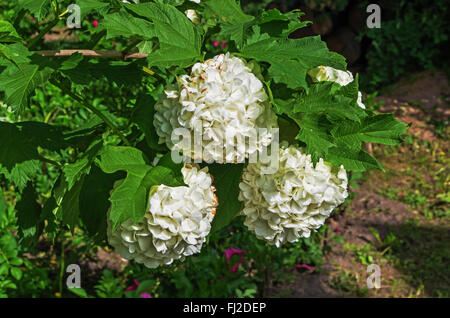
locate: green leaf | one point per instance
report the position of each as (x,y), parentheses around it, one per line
(39,8)
(16,261)
(382,129)
(23,172)
(70,205)
(16,273)
(300,54)
(28,210)
(145,47)
(87,6)
(143,116)
(8,33)
(162,175)
(115,158)
(94,203)
(352,160)
(288,72)
(16,148)
(279,24)
(179,39)
(166,161)
(236,32)
(80,292)
(14,54)
(124,24)
(50,206)
(129,199)
(272,22)
(4,269)
(73,172)
(325,97)
(120,72)
(315,133)
(19,84)
(228,11)
(23,140)
(226,180)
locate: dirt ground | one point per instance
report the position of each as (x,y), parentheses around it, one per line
(404,206)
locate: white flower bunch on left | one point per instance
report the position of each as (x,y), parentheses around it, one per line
(175,225)
(224,101)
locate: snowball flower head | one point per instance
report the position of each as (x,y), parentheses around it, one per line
(295,200)
(175,225)
(222,100)
(327,73)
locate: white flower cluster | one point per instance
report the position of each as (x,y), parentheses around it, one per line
(193,16)
(327,73)
(225,101)
(295,200)
(175,224)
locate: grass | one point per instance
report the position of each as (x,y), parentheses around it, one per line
(349,284)
(423,182)
(414,255)
(421,252)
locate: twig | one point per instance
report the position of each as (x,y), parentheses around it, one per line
(94,53)
(43,159)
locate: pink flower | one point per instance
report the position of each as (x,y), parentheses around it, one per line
(337,230)
(307,267)
(229,252)
(145,295)
(215,43)
(95,23)
(134,286)
(224,44)
(235,266)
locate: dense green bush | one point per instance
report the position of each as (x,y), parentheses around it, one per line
(413,36)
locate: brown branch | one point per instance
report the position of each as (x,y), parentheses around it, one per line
(94,53)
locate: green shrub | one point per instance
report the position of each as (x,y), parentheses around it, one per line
(414,40)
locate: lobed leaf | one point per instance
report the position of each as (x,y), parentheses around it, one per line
(179,39)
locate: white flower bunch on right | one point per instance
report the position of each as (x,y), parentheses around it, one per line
(327,73)
(297,199)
